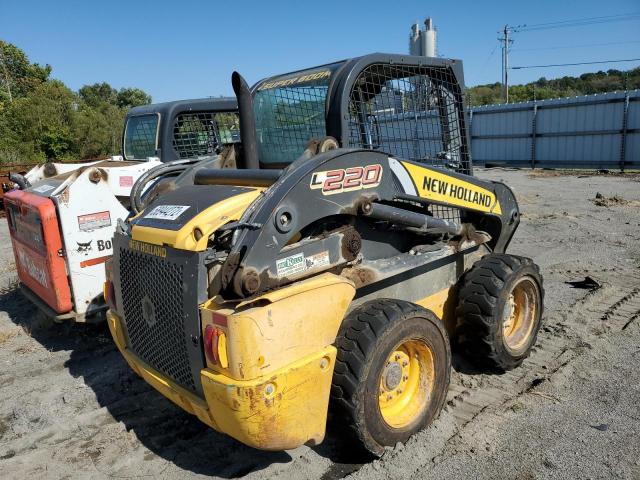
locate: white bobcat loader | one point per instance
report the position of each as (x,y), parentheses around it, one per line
(62,216)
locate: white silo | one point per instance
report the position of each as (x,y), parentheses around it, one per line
(429,39)
(423,42)
(414,40)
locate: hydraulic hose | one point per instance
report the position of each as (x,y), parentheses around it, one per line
(410,219)
(19,180)
(170,168)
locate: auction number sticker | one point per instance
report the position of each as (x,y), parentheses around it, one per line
(167,212)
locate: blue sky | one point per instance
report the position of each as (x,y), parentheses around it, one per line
(188,49)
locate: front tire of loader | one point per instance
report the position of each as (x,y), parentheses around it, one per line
(392,371)
(499,311)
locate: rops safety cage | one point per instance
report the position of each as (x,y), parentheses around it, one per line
(408,106)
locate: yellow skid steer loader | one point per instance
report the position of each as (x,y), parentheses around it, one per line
(333,264)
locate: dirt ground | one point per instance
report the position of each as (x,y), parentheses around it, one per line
(71,408)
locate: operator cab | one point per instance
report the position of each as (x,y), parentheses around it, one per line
(408,106)
(184,129)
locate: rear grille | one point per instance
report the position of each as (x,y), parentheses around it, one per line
(154,313)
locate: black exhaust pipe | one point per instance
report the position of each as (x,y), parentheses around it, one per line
(247,122)
(238,178)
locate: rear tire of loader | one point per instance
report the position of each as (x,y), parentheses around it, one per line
(499,311)
(392,371)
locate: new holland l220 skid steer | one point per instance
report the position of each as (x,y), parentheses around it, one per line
(334,274)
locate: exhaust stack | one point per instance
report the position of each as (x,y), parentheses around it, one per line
(247,122)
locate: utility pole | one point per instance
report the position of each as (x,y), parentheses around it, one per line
(506,42)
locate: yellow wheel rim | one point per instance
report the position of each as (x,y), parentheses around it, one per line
(520,314)
(406,383)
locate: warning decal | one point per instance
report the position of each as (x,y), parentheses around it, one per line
(126,181)
(318,260)
(92,221)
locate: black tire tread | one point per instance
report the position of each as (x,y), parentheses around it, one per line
(355,342)
(478,295)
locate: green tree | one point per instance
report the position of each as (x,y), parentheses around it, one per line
(132,97)
(98,131)
(98,94)
(18,76)
(543,88)
(39,126)
(42,119)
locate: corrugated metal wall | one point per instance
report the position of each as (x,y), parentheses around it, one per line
(599,131)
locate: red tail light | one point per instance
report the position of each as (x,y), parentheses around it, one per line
(211,337)
(215,346)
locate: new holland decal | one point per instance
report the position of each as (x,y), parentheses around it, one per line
(444,188)
(346,179)
(148,248)
(291,265)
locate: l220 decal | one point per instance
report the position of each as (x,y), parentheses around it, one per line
(346,179)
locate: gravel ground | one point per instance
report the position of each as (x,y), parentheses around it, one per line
(71,408)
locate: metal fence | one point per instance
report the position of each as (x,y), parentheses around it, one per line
(600,131)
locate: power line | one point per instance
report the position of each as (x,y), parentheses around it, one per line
(578,22)
(602,17)
(510,30)
(584,45)
(578,63)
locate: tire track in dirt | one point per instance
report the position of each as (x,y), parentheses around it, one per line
(471,393)
(114,425)
(558,344)
(563,337)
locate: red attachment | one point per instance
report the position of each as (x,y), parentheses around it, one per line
(35,235)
